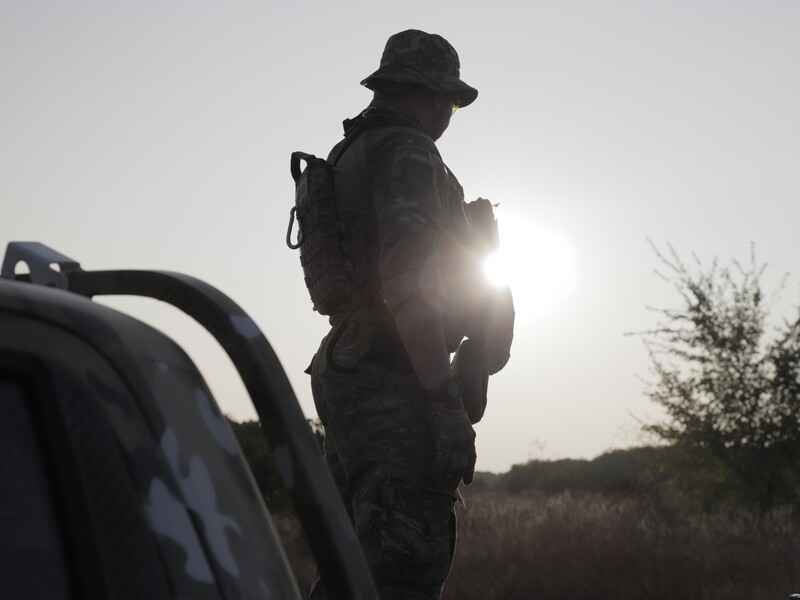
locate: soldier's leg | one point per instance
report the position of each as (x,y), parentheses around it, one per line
(407,534)
(318,590)
(376,419)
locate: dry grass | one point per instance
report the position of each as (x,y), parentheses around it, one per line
(297,550)
(596,548)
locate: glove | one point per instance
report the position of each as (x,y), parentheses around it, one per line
(454,443)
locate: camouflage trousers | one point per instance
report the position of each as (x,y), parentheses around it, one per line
(379,449)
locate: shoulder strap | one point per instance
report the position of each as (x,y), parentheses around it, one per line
(355,127)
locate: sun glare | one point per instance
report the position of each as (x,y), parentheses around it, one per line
(536,261)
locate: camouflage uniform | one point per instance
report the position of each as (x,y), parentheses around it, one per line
(403,206)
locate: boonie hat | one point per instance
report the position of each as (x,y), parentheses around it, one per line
(426,59)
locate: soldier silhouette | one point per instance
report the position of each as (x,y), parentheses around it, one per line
(398,439)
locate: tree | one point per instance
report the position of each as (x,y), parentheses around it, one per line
(634,471)
(262,464)
(731,393)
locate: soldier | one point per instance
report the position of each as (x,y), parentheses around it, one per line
(398,440)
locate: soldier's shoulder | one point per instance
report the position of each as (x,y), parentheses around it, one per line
(401,136)
(399,144)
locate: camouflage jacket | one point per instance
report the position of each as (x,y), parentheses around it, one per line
(407,208)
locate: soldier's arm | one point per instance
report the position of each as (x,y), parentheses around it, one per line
(407,179)
(421,329)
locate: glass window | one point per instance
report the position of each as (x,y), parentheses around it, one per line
(32,562)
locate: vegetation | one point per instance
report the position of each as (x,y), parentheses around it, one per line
(730,391)
(624,525)
(255,448)
(592,547)
(596,547)
(712,512)
(637,470)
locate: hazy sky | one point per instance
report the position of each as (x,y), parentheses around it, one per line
(157,135)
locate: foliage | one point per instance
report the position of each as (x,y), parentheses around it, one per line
(259,456)
(598,547)
(731,393)
(623,472)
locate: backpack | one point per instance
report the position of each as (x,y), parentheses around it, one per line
(326,245)
(324,254)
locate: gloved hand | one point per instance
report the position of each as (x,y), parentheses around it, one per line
(454,441)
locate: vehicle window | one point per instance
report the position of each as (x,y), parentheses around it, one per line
(32,559)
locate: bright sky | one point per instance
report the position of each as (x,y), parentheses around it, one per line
(157,135)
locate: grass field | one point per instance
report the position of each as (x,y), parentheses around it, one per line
(591,547)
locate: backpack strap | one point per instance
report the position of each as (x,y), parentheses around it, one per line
(369,120)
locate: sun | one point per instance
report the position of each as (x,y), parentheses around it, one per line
(537,261)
